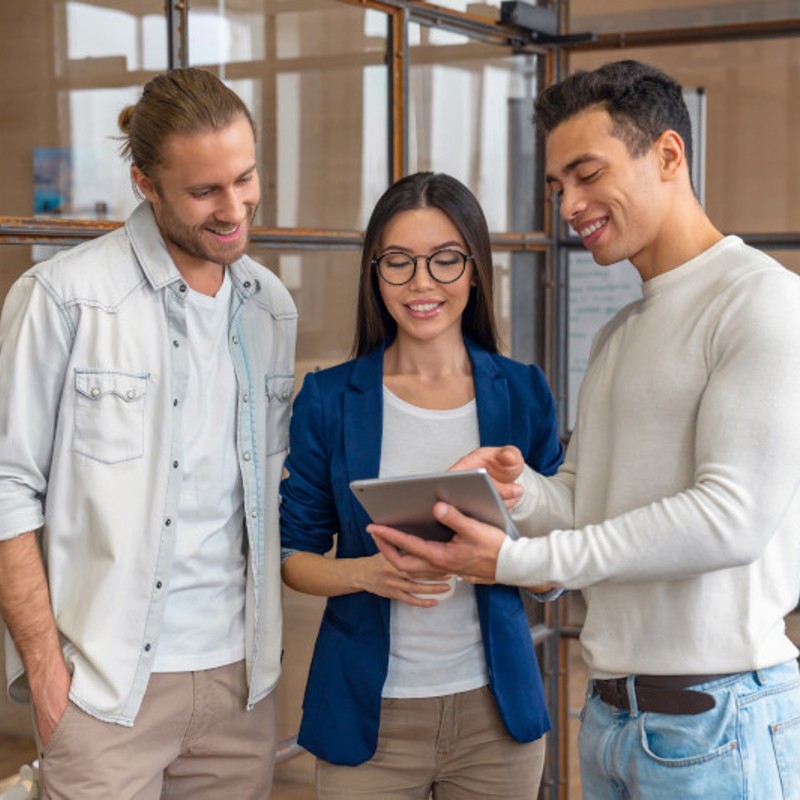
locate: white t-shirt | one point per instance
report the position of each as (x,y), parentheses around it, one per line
(433,651)
(203,623)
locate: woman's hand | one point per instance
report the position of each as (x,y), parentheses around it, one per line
(377,575)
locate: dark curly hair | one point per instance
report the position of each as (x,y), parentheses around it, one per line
(641,100)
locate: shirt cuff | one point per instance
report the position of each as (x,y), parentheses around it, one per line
(526,504)
(517,562)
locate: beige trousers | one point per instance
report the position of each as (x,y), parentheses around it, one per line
(192,738)
(450,748)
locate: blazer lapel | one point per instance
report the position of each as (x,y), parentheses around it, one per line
(491,398)
(363,416)
(363,427)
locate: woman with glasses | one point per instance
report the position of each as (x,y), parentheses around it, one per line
(419,682)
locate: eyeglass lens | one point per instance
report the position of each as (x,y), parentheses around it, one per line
(446,266)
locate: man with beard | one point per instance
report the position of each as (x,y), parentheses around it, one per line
(677,508)
(146,379)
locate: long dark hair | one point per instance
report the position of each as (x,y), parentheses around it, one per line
(427,190)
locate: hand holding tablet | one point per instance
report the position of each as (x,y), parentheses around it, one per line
(407,502)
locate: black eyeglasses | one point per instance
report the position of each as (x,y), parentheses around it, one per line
(444,266)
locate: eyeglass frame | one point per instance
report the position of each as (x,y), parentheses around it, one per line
(376,262)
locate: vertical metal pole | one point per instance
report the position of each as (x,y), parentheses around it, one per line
(398,93)
(552,310)
(177,33)
(525,340)
(534,339)
(269,120)
(558,272)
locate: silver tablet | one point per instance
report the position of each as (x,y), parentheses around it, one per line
(406,503)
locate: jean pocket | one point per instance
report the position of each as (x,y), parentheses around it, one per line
(681,740)
(786,744)
(109,415)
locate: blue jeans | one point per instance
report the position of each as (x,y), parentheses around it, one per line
(745,748)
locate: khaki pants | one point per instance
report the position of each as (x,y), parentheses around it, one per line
(453,748)
(192,738)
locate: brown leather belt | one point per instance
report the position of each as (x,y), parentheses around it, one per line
(662,694)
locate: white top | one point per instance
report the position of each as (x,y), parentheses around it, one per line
(203,623)
(433,651)
(677,508)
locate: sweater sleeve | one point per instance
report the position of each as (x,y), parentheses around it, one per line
(744,485)
(547,503)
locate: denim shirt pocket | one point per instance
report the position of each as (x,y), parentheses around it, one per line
(279,389)
(109,414)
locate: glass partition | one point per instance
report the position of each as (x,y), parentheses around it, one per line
(324,286)
(317,83)
(489,9)
(60,119)
(134,36)
(470,111)
(503,271)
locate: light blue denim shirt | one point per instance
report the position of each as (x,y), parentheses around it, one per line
(93,376)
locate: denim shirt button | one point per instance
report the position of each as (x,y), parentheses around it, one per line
(168,522)
(130,394)
(95,392)
(245,398)
(182,287)
(246,456)
(235,340)
(147,647)
(254,513)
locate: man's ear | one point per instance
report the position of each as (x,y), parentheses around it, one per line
(144,184)
(671,154)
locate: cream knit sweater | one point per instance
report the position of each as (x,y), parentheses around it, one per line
(677,509)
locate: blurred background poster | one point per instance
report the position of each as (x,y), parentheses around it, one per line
(52,180)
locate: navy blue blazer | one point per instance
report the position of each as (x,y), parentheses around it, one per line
(335,437)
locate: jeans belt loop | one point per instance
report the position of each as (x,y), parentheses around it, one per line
(630,692)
